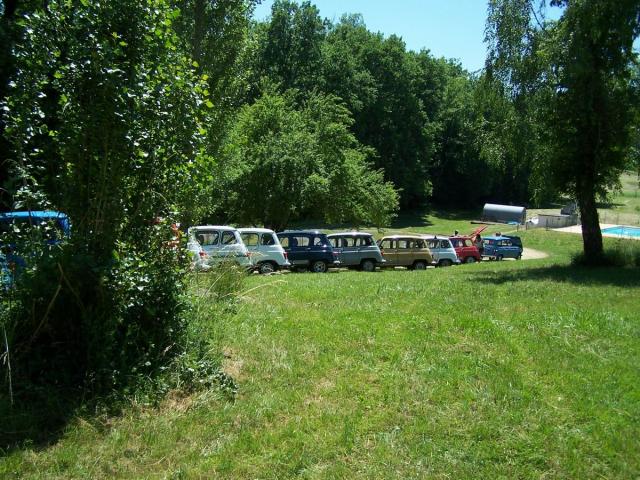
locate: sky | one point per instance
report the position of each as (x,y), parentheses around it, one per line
(447,28)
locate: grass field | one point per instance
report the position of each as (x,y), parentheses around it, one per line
(508,369)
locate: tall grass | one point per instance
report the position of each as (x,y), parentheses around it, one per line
(618,253)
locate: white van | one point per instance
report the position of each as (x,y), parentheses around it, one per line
(264,247)
(221,244)
(442,251)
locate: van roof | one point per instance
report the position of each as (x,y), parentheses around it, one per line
(212,227)
(307,232)
(254,229)
(408,235)
(352,234)
(33,213)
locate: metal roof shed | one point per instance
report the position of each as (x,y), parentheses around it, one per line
(503,213)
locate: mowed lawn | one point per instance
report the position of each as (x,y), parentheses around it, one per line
(526,369)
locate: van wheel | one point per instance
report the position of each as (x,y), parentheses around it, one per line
(319,266)
(445,263)
(266,267)
(470,260)
(420,265)
(500,258)
(368,266)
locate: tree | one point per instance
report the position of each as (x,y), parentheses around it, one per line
(579,68)
(104,117)
(283,162)
(377,79)
(11,11)
(290,46)
(214,33)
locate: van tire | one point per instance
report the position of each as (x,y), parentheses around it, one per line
(445,263)
(267,267)
(368,266)
(419,265)
(470,260)
(500,258)
(319,266)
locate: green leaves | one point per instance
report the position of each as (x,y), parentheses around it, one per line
(113,137)
(282,163)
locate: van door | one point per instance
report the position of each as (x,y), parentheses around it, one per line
(300,246)
(350,251)
(434,247)
(389,252)
(210,242)
(405,252)
(336,244)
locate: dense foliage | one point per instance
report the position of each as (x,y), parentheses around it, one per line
(440,134)
(284,163)
(107,118)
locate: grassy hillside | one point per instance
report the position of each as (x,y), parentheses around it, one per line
(498,370)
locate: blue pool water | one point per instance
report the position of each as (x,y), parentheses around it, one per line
(622,230)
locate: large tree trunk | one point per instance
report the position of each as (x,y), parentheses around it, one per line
(591,234)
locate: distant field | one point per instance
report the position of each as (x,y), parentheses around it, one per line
(497,370)
(623,207)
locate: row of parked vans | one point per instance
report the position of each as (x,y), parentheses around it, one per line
(266,251)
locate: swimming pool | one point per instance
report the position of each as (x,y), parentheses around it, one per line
(623,231)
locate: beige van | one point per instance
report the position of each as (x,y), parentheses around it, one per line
(405,251)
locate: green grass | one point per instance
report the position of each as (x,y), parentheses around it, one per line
(624,207)
(497,370)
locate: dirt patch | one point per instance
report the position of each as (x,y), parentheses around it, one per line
(232,364)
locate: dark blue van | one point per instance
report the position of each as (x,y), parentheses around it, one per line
(308,249)
(499,247)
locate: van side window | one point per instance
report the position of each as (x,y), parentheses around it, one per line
(284,241)
(404,243)
(268,239)
(228,238)
(366,241)
(444,244)
(207,238)
(349,241)
(300,241)
(318,241)
(386,244)
(250,239)
(420,244)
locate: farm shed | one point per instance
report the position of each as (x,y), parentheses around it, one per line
(503,213)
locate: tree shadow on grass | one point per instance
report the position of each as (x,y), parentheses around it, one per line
(423,218)
(36,419)
(619,277)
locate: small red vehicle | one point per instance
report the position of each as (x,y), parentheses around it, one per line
(466,246)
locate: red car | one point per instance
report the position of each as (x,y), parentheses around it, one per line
(466,246)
